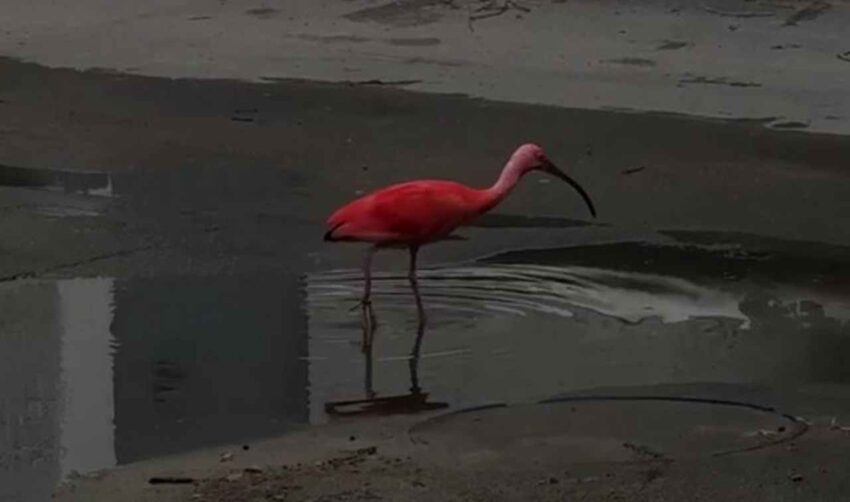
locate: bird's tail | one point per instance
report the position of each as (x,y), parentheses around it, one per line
(329,235)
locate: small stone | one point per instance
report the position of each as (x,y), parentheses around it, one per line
(236,476)
(796,478)
(225,457)
(253,469)
(245,447)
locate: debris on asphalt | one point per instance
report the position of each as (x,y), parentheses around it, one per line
(633,170)
(834,425)
(170,480)
(808,13)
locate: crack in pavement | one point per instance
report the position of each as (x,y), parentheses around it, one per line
(86,261)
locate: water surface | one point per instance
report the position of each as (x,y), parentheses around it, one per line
(99,371)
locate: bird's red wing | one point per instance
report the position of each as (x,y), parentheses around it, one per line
(414,212)
(418,211)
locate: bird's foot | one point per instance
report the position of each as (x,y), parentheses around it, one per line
(361,304)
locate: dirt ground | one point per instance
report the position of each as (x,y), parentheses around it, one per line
(810,467)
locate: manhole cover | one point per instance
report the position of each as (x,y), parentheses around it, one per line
(607,429)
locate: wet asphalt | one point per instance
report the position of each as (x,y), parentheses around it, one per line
(165,286)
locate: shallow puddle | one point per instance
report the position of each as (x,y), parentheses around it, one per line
(99,371)
(519,333)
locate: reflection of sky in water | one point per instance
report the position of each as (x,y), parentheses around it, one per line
(56,390)
(88,403)
(99,371)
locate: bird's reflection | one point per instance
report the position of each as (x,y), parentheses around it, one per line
(415,401)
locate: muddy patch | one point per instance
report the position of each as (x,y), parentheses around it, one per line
(741,10)
(67,181)
(705,80)
(436,62)
(672,45)
(790,124)
(262,12)
(401,13)
(414,42)
(334,39)
(781,47)
(644,62)
(808,13)
(379,83)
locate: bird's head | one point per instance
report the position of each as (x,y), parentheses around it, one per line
(530,157)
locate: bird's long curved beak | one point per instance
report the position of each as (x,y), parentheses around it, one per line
(550,168)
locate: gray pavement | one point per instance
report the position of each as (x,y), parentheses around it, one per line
(780,62)
(167,298)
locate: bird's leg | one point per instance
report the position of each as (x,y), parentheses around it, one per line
(414,360)
(369,327)
(414,285)
(367,274)
(370,390)
(369,323)
(420,331)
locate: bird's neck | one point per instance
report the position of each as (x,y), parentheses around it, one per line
(503,186)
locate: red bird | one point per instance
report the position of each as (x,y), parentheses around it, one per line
(419,212)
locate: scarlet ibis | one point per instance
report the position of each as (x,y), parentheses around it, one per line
(415,213)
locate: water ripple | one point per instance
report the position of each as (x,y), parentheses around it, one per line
(521,289)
